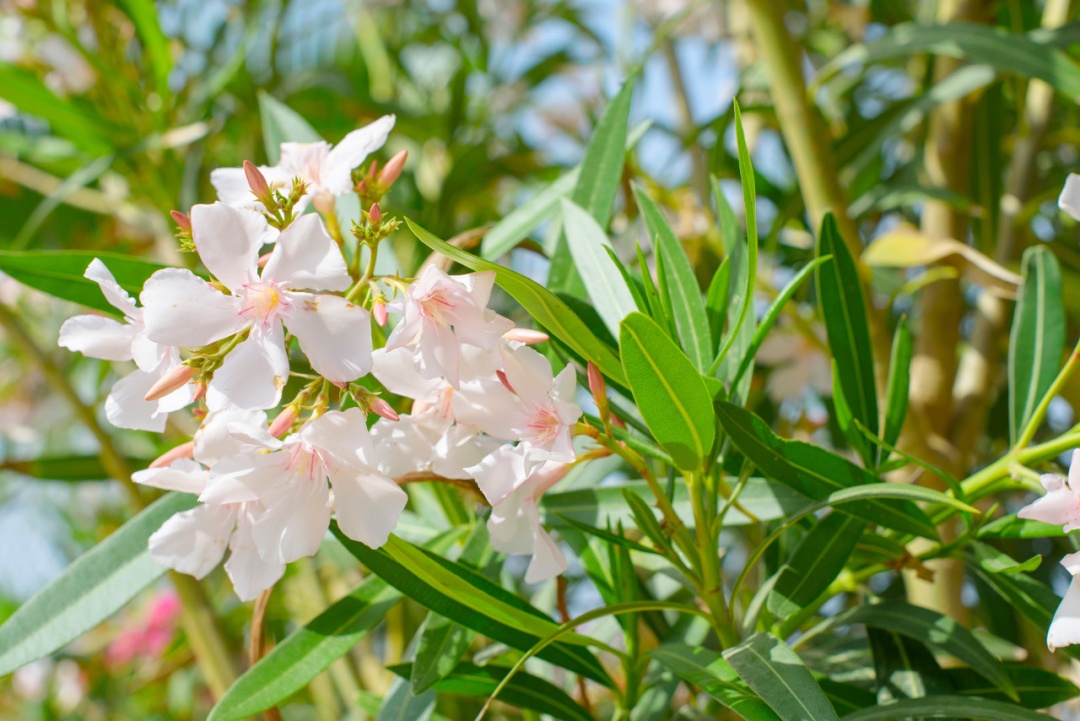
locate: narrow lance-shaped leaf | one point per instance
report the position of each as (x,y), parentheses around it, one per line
(1037,340)
(937,706)
(903,667)
(780,678)
(712,674)
(95,586)
(815,563)
(897,386)
(668,390)
(401,704)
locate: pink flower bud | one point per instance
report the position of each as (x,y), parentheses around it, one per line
(381,408)
(184,450)
(392,169)
(264,259)
(182,220)
(256,180)
(378,309)
(528,336)
(200,391)
(505,381)
(375,214)
(597,385)
(284,422)
(175,379)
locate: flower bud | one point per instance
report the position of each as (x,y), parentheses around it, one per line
(392,169)
(175,379)
(182,220)
(528,336)
(184,450)
(284,422)
(378,310)
(505,381)
(200,391)
(375,214)
(264,259)
(381,408)
(256,181)
(598,388)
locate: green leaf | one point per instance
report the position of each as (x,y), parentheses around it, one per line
(457,592)
(843,308)
(545,307)
(1013,527)
(597,184)
(930,628)
(66,468)
(778,676)
(712,674)
(401,704)
(814,471)
(71,118)
(815,563)
(524,691)
(144,16)
(896,388)
(937,706)
(610,536)
(716,300)
(687,306)
(652,295)
(994,561)
(443,644)
(668,390)
(308,651)
(60,274)
(282,124)
(1037,340)
(903,667)
(1038,688)
(95,586)
(589,247)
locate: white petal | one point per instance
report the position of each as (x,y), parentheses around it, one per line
(127,407)
(249,573)
(293,527)
(367,505)
(529,374)
(245,478)
(1060,507)
(228,242)
(213,441)
(334,334)
(351,151)
(118,297)
(181,309)
(402,446)
(184,475)
(458,449)
(253,373)
(194,541)
(306,258)
(499,473)
(1065,628)
(397,372)
(149,355)
(233,189)
(343,434)
(1069,200)
(547,561)
(509,525)
(98,337)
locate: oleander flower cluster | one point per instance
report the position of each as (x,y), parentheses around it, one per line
(285,300)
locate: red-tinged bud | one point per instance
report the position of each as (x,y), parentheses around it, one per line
(284,422)
(375,214)
(184,450)
(392,169)
(175,379)
(256,180)
(340,384)
(373,169)
(598,388)
(528,336)
(381,408)
(378,310)
(505,381)
(324,203)
(182,220)
(200,391)
(361,187)
(264,259)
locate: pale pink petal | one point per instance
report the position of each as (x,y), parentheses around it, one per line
(367,505)
(306,258)
(351,152)
(1060,507)
(149,355)
(181,309)
(402,446)
(118,297)
(213,441)
(1065,628)
(478,286)
(228,243)
(343,434)
(249,573)
(460,448)
(127,407)
(547,560)
(304,160)
(1071,562)
(334,334)
(293,526)
(245,478)
(253,373)
(184,476)
(529,374)
(509,526)
(232,186)
(499,473)
(98,337)
(398,374)
(1074,470)
(1069,201)
(194,541)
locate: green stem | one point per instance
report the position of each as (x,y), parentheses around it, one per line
(1037,417)
(977,485)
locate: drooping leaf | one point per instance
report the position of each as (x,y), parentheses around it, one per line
(1038,688)
(712,674)
(994,561)
(668,390)
(282,124)
(779,677)
(815,563)
(95,586)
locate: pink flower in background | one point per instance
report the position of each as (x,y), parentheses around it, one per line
(97,336)
(151,637)
(184,310)
(797,363)
(325,168)
(1061,504)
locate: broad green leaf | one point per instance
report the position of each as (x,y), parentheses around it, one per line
(472,600)
(95,586)
(545,307)
(144,16)
(843,308)
(668,390)
(930,628)
(1037,341)
(401,704)
(1038,688)
(903,667)
(1012,527)
(443,644)
(716,300)
(60,274)
(597,184)
(524,691)
(778,676)
(589,247)
(282,124)
(1030,597)
(308,651)
(937,706)
(897,386)
(994,561)
(66,468)
(1009,52)
(712,674)
(814,471)
(815,563)
(71,118)
(687,306)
